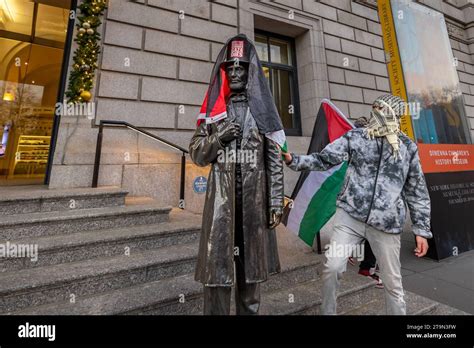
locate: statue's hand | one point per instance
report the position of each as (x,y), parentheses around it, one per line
(275,216)
(229,132)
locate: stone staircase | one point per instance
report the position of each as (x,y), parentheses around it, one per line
(101,252)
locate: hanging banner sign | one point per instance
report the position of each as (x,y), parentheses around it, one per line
(394,65)
(442,158)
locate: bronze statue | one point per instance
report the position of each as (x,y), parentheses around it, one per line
(244,198)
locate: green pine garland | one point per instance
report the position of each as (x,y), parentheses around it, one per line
(81,79)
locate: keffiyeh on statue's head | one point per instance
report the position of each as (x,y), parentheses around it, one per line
(384,120)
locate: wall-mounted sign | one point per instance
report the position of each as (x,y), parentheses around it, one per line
(449,173)
(200,184)
(442,158)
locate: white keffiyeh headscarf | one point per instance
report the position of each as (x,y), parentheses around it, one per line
(384,120)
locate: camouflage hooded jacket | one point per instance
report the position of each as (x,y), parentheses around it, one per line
(377,186)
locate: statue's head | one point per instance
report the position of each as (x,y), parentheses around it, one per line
(237,76)
(236,64)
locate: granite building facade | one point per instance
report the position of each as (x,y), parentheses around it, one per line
(157,57)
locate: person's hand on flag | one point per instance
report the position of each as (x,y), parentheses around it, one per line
(286,156)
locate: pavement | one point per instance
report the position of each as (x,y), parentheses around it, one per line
(449,281)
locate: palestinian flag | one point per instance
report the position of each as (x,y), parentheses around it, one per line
(279,137)
(315,194)
(218,109)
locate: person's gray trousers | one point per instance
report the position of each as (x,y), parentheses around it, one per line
(348,233)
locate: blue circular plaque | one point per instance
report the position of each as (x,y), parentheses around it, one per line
(200,184)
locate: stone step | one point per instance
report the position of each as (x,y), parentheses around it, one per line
(442,309)
(372,302)
(141,299)
(163,296)
(305,298)
(357,296)
(88,245)
(183,296)
(292,274)
(41,224)
(33,199)
(274,302)
(366,299)
(64,282)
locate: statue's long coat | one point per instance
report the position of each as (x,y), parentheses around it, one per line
(262,187)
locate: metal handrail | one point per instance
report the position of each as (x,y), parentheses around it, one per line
(116,124)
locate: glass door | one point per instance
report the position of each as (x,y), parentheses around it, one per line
(32,40)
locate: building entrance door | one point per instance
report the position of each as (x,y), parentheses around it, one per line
(32,44)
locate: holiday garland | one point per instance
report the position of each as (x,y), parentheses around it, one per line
(81,79)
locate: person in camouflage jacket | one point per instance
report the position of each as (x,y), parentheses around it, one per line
(384,176)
